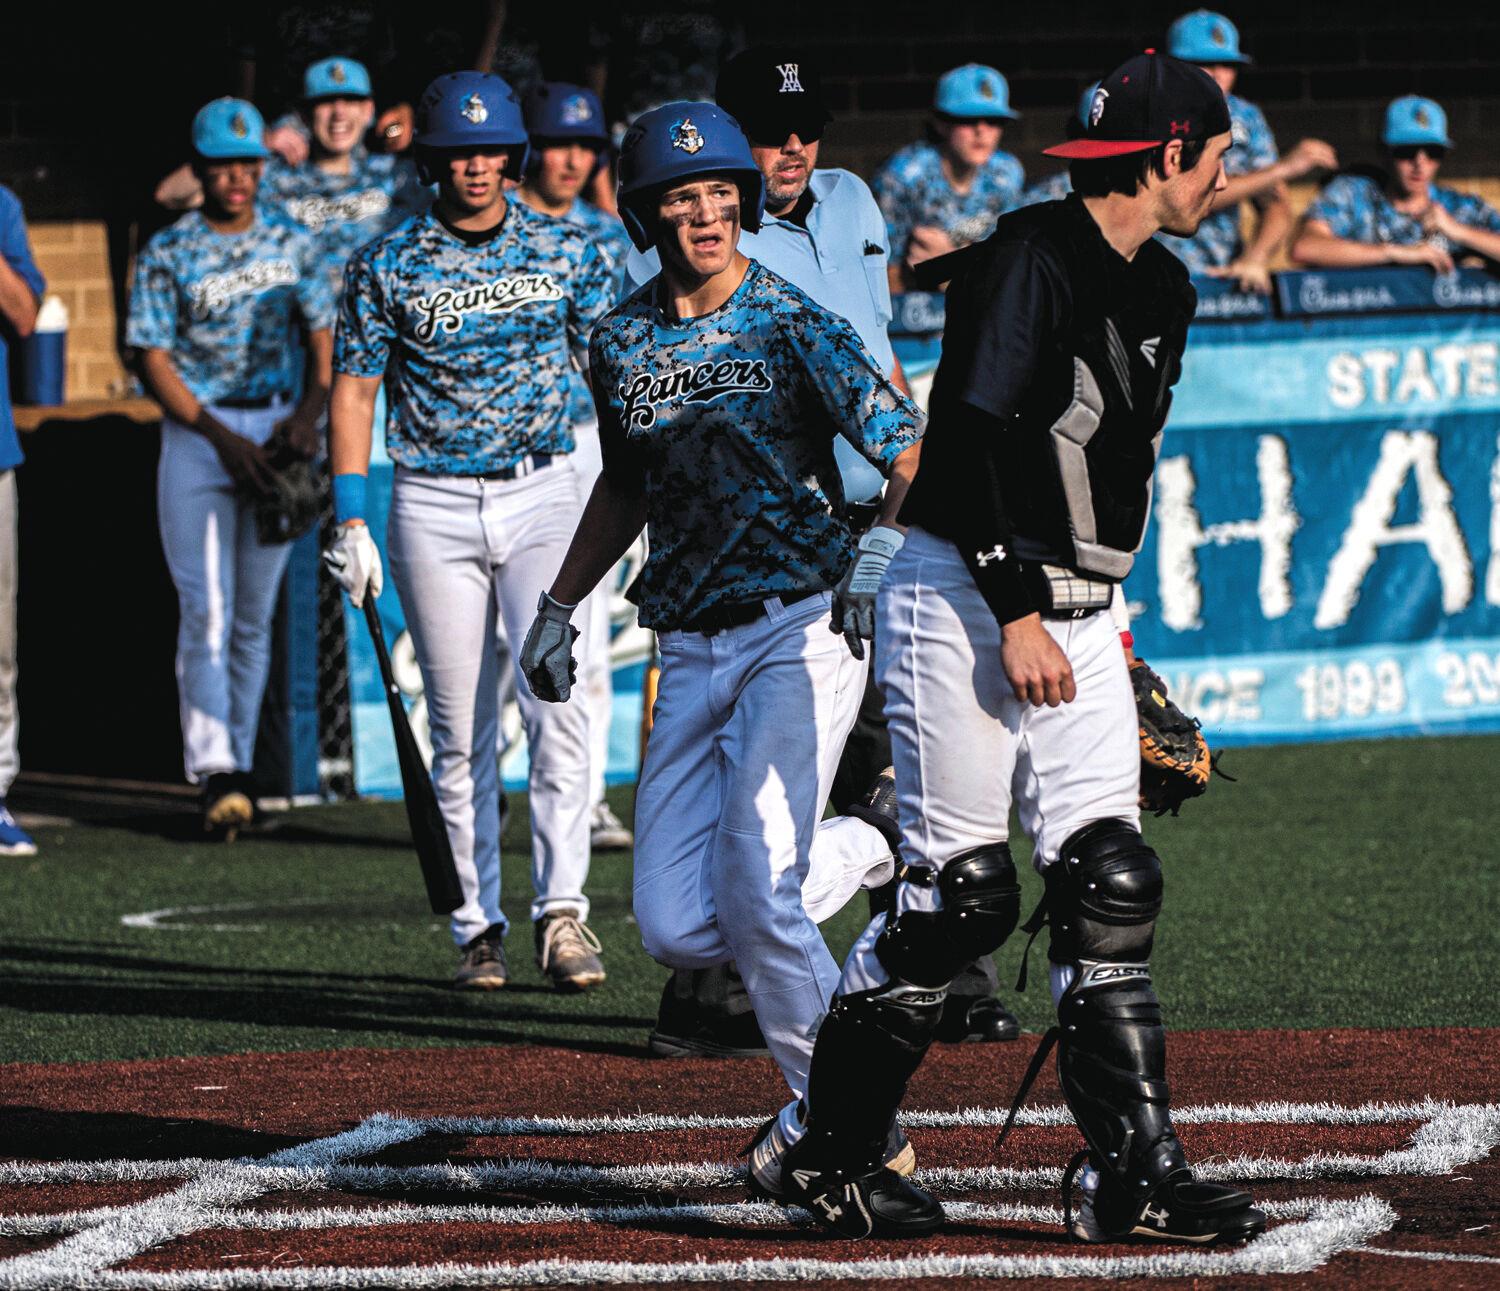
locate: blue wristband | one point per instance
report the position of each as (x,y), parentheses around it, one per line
(348,497)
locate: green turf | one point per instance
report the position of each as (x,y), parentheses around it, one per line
(1339,885)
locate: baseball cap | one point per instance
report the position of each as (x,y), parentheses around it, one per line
(1145,102)
(1415,120)
(974,90)
(336,78)
(229,128)
(774,91)
(1205,37)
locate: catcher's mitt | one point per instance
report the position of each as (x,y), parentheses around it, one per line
(291,508)
(1175,761)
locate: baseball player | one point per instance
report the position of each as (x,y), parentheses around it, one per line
(1004,680)
(946,191)
(470,312)
(720,389)
(569,142)
(213,313)
(1257,172)
(822,232)
(1412,219)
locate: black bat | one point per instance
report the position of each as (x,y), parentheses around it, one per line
(434,852)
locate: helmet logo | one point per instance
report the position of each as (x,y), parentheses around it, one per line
(474,110)
(337,75)
(238,126)
(1421,117)
(1096,108)
(576,111)
(685,136)
(790,84)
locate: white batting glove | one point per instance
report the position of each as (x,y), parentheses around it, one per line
(854,598)
(354,562)
(547,662)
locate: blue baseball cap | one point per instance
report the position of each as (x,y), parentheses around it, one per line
(337,78)
(974,90)
(1205,37)
(229,128)
(1414,120)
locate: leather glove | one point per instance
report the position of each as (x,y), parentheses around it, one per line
(546,655)
(854,598)
(354,561)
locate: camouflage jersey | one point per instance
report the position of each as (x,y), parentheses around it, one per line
(1252,147)
(912,189)
(475,341)
(726,423)
(1358,209)
(225,305)
(343,212)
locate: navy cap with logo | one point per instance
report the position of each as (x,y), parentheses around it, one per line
(773,91)
(1147,101)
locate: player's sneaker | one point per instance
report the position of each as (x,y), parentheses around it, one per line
(1179,1209)
(685,1028)
(857,1201)
(481,966)
(567,951)
(768,1151)
(14,841)
(607,832)
(226,804)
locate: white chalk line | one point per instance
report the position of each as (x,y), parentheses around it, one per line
(1446,1257)
(84,1257)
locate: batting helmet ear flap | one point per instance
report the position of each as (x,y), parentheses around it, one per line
(636,227)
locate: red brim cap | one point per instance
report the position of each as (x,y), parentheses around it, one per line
(1095,148)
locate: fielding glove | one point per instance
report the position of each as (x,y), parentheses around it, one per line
(1175,762)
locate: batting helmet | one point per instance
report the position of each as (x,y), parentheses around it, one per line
(557,110)
(677,142)
(473,110)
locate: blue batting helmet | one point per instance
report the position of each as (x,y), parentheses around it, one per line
(681,141)
(557,110)
(473,110)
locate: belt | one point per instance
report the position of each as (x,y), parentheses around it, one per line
(711,622)
(1062,593)
(528,465)
(259,401)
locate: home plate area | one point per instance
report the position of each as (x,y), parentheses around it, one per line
(546,1167)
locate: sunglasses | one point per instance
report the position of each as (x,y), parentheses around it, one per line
(772,134)
(1410,152)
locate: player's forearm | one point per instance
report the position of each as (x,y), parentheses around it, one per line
(1275,224)
(1324,251)
(168,389)
(351,416)
(611,521)
(903,471)
(18,303)
(319,374)
(1480,240)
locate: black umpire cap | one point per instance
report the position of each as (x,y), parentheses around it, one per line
(1147,101)
(773,92)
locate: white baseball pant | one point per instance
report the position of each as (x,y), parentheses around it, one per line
(226,591)
(730,859)
(595,670)
(965,747)
(468,554)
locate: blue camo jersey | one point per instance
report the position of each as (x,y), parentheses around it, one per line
(343,212)
(614,245)
(224,305)
(1052,189)
(727,423)
(475,341)
(1357,208)
(912,189)
(1217,241)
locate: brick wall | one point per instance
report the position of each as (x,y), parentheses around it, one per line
(73,256)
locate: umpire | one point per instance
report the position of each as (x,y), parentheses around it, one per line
(1005,683)
(823,232)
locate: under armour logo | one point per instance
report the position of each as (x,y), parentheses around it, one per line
(789,82)
(805,1177)
(997,552)
(1160,1216)
(1148,349)
(1181,127)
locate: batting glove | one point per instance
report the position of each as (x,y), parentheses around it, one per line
(854,598)
(546,656)
(354,562)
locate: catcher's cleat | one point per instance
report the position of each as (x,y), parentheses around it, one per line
(1178,1209)
(226,805)
(982,1019)
(768,1150)
(862,1201)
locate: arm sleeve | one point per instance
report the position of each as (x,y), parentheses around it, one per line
(362,343)
(15,246)
(314,292)
(858,396)
(151,323)
(1335,206)
(622,461)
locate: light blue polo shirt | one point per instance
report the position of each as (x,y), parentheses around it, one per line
(839,260)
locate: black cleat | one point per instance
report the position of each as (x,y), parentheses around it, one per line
(1179,1209)
(863,1202)
(686,1029)
(976,1019)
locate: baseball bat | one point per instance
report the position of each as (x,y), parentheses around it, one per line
(428,833)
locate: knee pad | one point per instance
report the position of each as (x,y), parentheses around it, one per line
(981,903)
(1103,896)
